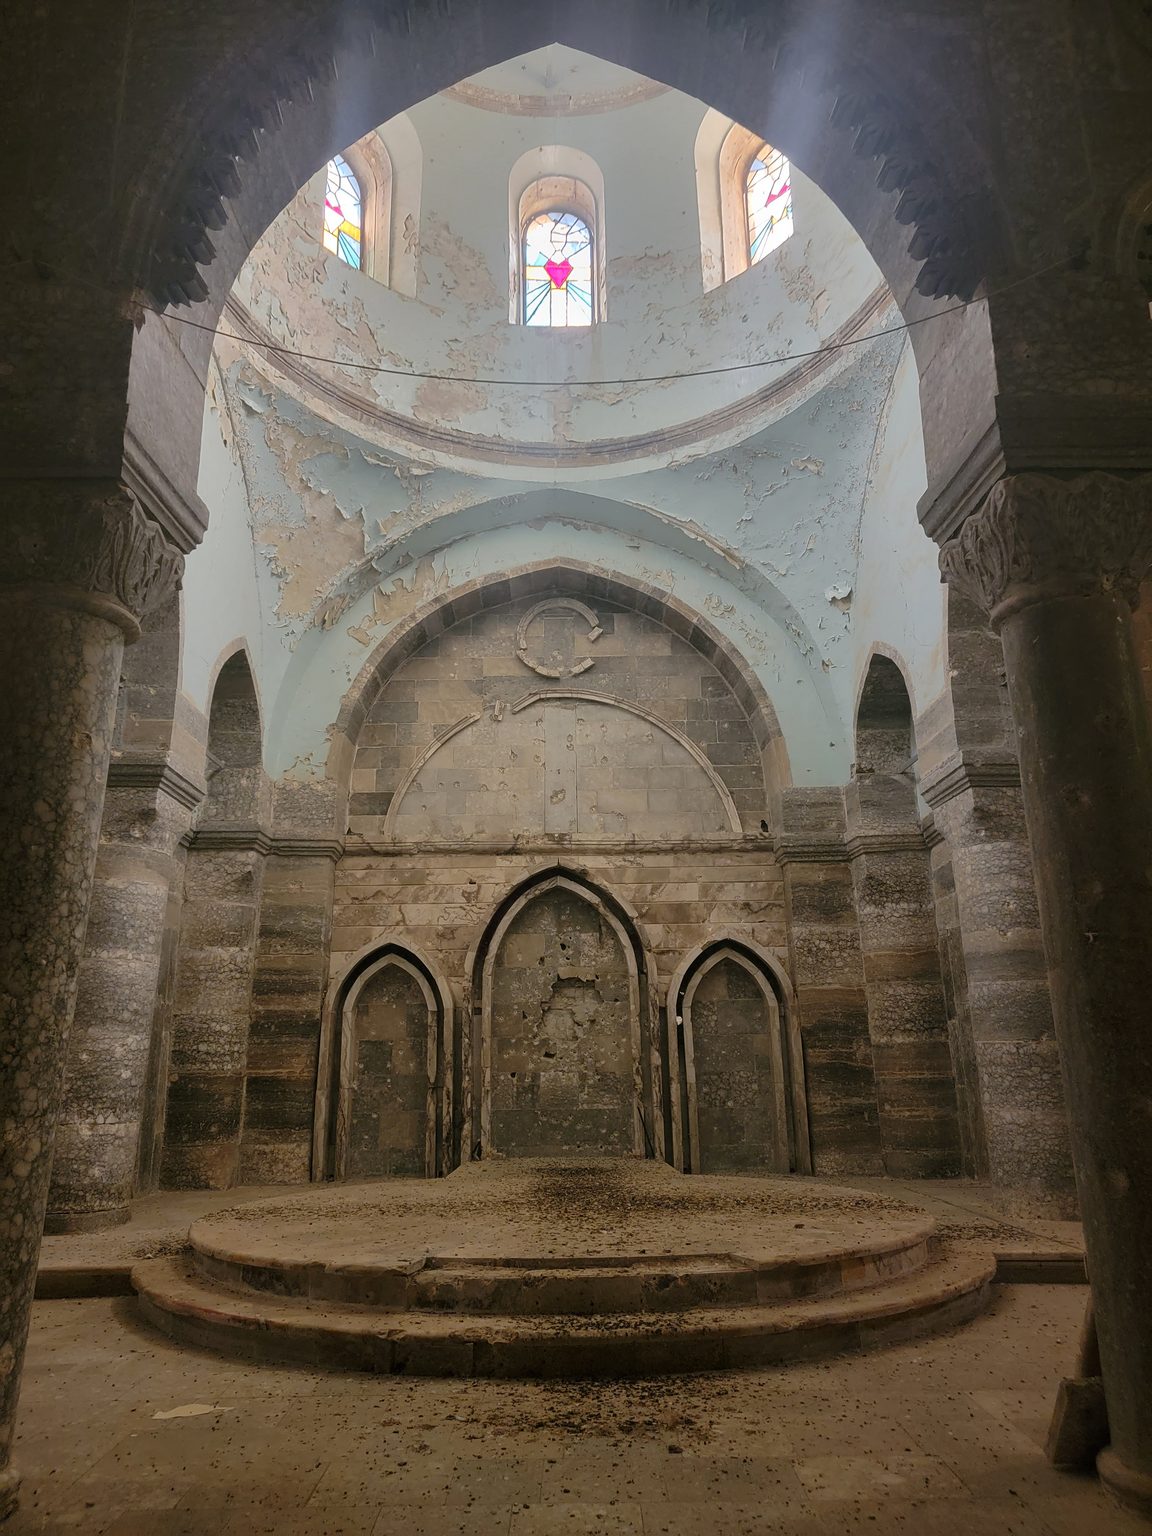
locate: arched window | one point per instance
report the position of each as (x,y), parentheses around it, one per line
(559,268)
(556,239)
(344,213)
(744,187)
(767,202)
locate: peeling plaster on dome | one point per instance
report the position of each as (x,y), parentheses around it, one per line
(359,496)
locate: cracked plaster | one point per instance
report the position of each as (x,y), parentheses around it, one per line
(347,534)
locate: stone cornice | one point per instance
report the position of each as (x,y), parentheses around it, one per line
(287,846)
(552,103)
(1039,537)
(157,776)
(182,517)
(961,773)
(1041,435)
(945,506)
(811,850)
(356,844)
(933,836)
(86,544)
(837,850)
(902,840)
(226,837)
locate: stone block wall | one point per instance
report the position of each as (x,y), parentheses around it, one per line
(439,903)
(290,972)
(211,1013)
(907,1018)
(828,974)
(160,1051)
(572,762)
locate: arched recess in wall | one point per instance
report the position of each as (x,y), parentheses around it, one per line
(885,734)
(212,1001)
(384,1084)
(738,1101)
(234,769)
(568,799)
(555,178)
(724,154)
(561,1054)
(574,578)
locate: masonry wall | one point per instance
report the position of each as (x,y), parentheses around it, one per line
(550,726)
(564,1033)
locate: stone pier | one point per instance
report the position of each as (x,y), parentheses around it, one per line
(80,562)
(1057,563)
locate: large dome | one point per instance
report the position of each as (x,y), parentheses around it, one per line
(460,383)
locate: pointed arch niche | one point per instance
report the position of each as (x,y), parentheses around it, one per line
(738,1104)
(563,1054)
(384,1092)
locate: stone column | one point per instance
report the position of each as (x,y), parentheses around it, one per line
(1008,1057)
(1057,563)
(147,809)
(1011,1097)
(79,564)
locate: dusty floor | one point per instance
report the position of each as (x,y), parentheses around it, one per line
(557,1207)
(936,1438)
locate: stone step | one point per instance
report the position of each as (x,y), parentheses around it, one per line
(539,1286)
(188,1307)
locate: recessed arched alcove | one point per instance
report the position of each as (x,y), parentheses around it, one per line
(738,1103)
(384,1085)
(234,745)
(649,728)
(563,1056)
(885,740)
(212,1000)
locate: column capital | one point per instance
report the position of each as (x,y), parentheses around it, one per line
(85,544)
(1038,537)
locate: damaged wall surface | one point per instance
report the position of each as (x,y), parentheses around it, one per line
(592,605)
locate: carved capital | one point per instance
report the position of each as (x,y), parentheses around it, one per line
(87,545)
(1038,537)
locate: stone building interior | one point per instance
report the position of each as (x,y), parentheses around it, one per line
(577,921)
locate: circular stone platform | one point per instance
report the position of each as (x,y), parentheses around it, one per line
(561,1267)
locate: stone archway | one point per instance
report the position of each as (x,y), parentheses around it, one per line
(738,1102)
(564,1055)
(383,1084)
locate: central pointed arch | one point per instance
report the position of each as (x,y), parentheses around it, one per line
(630,1108)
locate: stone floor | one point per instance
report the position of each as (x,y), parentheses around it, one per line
(964,1208)
(125,1434)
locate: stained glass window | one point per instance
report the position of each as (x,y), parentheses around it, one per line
(558,270)
(343,213)
(768,199)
